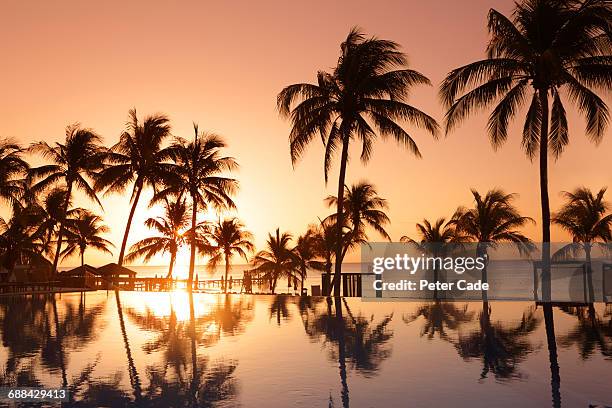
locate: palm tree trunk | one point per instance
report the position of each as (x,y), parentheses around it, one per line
(340,218)
(555,377)
(194,212)
(339,321)
(302,281)
(227,267)
(138,190)
(132,371)
(61,229)
(59,339)
(546,278)
(171,267)
(82,259)
(589,272)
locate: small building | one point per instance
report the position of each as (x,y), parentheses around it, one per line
(112,271)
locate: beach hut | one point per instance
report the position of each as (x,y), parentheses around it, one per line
(114,271)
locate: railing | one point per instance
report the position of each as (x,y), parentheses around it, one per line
(28,287)
(351,284)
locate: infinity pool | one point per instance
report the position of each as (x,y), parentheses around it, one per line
(178,350)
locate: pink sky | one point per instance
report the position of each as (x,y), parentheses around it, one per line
(221,64)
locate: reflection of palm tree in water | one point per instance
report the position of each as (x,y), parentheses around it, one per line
(590,334)
(440,317)
(133,373)
(501,347)
(354,339)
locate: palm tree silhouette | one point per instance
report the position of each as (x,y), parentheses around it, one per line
(584,217)
(276,260)
(13,168)
(364,92)
(51,213)
(435,239)
(439,317)
(591,332)
(139,159)
(305,254)
(74,162)
(20,239)
(83,232)
(225,239)
(547,47)
(198,168)
(501,347)
(492,220)
(362,208)
(172,234)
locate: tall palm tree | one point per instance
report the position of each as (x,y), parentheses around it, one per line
(13,168)
(584,217)
(85,232)
(363,208)
(198,169)
(172,229)
(226,239)
(75,163)
(364,95)
(276,260)
(305,254)
(138,159)
(547,48)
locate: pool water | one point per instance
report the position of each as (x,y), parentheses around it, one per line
(181,350)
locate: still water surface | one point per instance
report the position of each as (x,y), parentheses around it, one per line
(213,350)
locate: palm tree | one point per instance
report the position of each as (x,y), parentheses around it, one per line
(584,217)
(362,208)
(172,229)
(305,254)
(436,239)
(51,213)
(226,239)
(492,220)
(365,91)
(12,170)
(138,159)
(199,169)
(84,232)
(548,47)
(501,347)
(20,240)
(276,260)
(75,162)
(439,317)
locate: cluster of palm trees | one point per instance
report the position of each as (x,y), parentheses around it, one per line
(545,50)
(184,174)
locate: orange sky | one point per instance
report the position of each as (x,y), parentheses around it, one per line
(221,64)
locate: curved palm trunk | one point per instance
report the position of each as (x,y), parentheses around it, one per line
(61,229)
(171,267)
(194,212)
(340,218)
(138,190)
(133,373)
(227,268)
(302,281)
(546,278)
